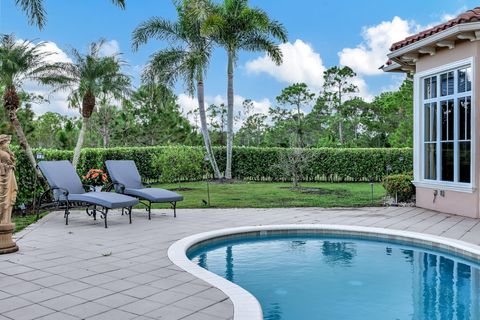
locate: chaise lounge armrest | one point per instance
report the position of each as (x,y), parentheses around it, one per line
(64,191)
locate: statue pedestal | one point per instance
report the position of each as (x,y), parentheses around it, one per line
(7,245)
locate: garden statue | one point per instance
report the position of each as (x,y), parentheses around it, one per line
(8,194)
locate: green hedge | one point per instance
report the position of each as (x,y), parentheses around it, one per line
(255,164)
(399,186)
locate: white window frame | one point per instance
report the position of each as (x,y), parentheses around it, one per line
(418,114)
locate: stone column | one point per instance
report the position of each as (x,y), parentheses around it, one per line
(8,195)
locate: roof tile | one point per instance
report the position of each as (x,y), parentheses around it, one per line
(466,17)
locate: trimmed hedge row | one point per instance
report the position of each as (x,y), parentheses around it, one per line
(255,164)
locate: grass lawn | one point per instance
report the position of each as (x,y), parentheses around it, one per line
(262,195)
(23,222)
(276,195)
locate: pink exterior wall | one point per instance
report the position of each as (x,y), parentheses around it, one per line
(459,203)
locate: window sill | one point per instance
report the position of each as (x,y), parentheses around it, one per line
(447,186)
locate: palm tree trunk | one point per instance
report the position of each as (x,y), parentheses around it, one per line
(81,138)
(11,102)
(204,128)
(23,142)
(230,102)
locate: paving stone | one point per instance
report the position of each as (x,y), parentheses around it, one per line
(58,316)
(143,278)
(138,276)
(114,314)
(98,279)
(166,284)
(194,303)
(12,303)
(87,310)
(22,287)
(116,300)
(92,293)
(141,291)
(222,308)
(63,302)
(9,280)
(169,313)
(16,269)
(33,275)
(30,312)
(119,285)
(142,307)
(4,295)
(189,288)
(71,286)
(202,316)
(41,295)
(51,280)
(168,297)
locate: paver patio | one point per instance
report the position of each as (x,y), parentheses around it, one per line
(83,271)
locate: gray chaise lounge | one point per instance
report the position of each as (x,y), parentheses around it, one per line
(68,190)
(127,180)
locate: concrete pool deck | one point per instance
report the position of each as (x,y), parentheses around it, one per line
(83,271)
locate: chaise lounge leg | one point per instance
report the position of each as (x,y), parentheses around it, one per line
(39,205)
(174,209)
(94,212)
(67,212)
(105,216)
(130,214)
(149,210)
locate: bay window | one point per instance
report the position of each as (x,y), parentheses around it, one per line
(447,126)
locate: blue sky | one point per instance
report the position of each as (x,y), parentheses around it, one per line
(322,33)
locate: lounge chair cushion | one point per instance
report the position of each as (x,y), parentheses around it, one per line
(105,199)
(154,195)
(124,172)
(61,174)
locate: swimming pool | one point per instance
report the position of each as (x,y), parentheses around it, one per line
(330,276)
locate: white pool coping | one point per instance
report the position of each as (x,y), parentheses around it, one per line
(246,306)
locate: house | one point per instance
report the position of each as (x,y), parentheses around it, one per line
(444,61)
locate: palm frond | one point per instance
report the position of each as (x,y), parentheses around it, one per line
(34,10)
(278,31)
(260,42)
(158,28)
(120,3)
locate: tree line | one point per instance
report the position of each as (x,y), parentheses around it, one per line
(114,114)
(151,116)
(201,26)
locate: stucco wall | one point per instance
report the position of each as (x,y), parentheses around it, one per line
(460,203)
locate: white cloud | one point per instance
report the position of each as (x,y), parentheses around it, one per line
(300,64)
(363,90)
(57,102)
(371,53)
(110,48)
(367,57)
(187,104)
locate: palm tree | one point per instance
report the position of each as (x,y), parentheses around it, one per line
(37,15)
(235,26)
(22,61)
(93,76)
(187,59)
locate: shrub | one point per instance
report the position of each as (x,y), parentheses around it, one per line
(181,163)
(399,186)
(294,165)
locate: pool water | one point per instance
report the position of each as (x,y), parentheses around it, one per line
(319,277)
